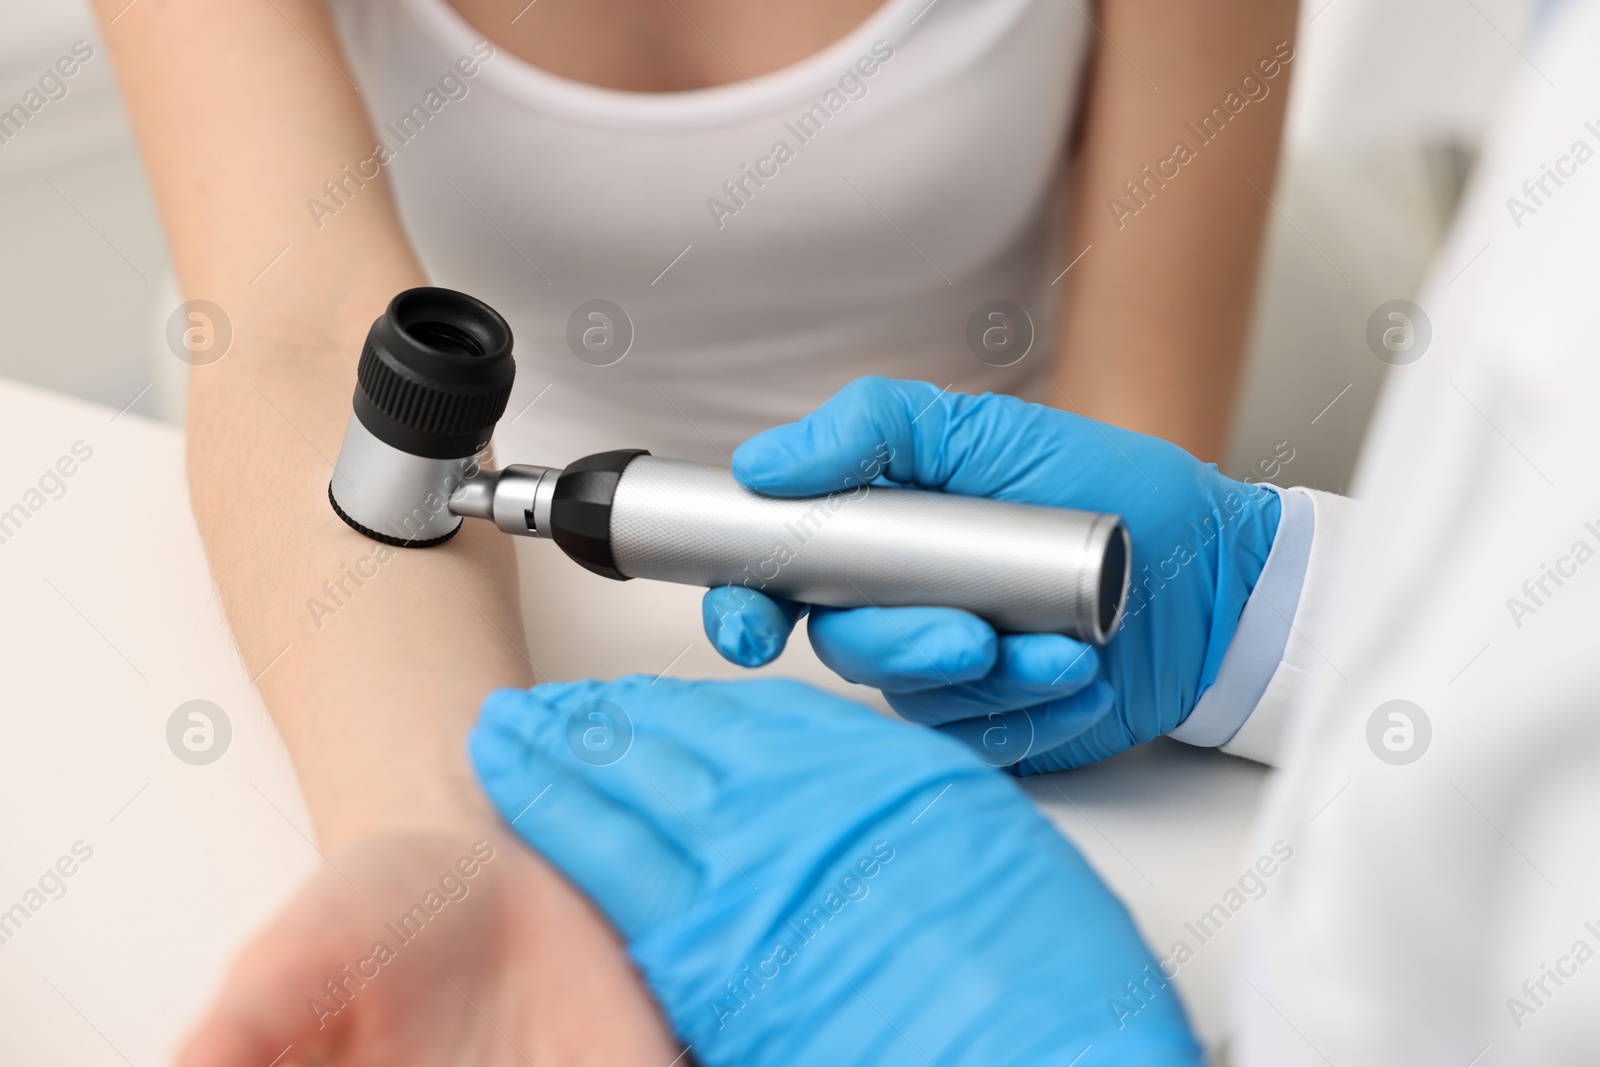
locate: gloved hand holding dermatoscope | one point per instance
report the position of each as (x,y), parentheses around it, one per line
(436,373)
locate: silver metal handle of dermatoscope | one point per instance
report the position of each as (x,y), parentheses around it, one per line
(1021,567)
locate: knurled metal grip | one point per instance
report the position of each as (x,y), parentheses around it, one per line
(1021,567)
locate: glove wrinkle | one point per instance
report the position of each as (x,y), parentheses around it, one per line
(851,891)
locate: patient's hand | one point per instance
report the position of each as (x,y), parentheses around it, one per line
(517,968)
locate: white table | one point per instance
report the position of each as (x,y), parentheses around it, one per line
(108,622)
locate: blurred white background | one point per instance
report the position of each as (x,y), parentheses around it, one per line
(1390,99)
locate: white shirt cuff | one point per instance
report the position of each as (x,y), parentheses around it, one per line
(1265,627)
(1262,736)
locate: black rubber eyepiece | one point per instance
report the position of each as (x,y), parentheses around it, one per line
(435,374)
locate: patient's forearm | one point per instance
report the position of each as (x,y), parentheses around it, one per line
(382,655)
(374,659)
(1157,310)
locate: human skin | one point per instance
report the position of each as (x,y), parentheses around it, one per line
(373,703)
(1156,312)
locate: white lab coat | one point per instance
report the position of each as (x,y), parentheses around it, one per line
(1447,911)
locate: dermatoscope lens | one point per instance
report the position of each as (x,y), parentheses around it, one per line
(447,338)
(434,378)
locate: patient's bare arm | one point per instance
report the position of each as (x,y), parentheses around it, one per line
(242,111)
(1158,308)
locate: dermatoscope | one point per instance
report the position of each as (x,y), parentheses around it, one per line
(435,375)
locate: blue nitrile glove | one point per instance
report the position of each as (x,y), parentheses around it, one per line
(804,882)
(1200,541)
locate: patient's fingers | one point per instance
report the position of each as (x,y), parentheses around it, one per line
(232,1036)
(747,627)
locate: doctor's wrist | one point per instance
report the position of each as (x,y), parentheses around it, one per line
(1259,637)
(1245,518)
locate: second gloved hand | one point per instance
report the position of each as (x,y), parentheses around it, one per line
(804,882)
(1037,701)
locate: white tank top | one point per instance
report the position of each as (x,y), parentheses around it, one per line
(767,241)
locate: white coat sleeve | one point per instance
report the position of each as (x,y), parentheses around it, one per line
(1273,656)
